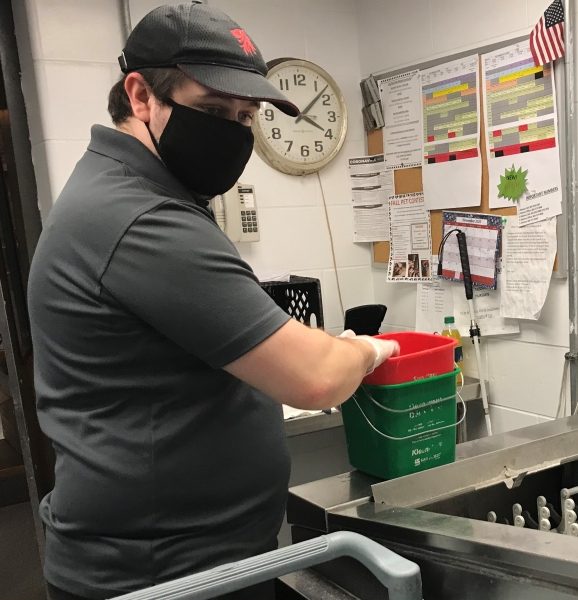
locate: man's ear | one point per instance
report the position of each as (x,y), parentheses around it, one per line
(139,96)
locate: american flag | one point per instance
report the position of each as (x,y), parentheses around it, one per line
(547,38)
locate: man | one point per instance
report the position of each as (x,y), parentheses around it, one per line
(160,363)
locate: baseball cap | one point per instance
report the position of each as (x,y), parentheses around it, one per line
(206,45)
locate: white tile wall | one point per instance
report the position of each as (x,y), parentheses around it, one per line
(399,299)
(347,253)
(291,239)
(525,376)
(506,419)
(470,24)
(139,8)
(394,33)
(276,189)
(356,290)
(552,328)
(68,93)
(409,32)
(75,30)
(276,27)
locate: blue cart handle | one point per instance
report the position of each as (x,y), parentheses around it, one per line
(401,577)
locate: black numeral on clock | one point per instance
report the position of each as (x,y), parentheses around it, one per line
(289,145)
(299,79)
(269,114)
(318,146)
(326,100)
(304,150)
(276,133)
(329,134)
(284,84)
(331,116)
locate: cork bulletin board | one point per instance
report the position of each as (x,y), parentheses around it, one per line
(410,181)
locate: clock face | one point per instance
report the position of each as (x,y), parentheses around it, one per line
(306,143)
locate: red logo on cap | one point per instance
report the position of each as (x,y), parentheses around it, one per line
(244,41)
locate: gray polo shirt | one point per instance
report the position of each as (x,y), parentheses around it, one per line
(165,464)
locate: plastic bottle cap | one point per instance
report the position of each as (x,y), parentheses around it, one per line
(448,319)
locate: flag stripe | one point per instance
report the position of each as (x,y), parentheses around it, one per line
(548,42)
(558,31)
(534,49)
(541,44)
(555,50)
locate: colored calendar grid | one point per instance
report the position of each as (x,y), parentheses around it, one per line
(447,151)
(450,108)
(519,92)
(523,138)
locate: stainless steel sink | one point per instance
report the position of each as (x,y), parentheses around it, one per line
(439,518)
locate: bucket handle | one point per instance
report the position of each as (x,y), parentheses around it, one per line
(413,435)
(405,410)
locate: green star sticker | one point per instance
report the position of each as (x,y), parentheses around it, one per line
(513,184)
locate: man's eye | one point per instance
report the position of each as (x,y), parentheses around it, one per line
(246,119)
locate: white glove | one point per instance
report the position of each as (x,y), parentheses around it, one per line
(383,349)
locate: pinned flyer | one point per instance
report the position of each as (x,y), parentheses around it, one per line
(410,257)
(483,237)
(452,167)
(371,185)
(522,134)
(401,101)
(527,262)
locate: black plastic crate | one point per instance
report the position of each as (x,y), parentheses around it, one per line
(299,297)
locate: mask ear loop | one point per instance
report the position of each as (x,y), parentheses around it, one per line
(153,140)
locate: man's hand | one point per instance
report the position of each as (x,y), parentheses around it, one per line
(383,349)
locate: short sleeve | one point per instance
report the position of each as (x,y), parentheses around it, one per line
(178,272)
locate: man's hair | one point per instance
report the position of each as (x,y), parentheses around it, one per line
(162,81)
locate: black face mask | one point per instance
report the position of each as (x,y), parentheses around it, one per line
(206,154)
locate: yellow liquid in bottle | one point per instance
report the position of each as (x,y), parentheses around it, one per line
(449,331)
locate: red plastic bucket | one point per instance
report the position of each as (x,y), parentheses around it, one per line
(421,355)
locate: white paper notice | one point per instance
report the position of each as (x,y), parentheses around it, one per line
(521,134)
(370,223)
(487,309)
(527,261)
(434,302)
(371,185)
(401,102)
(452,167)
(410,237)
(440,299)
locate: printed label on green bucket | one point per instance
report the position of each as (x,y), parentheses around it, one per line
(400,429)
(428,450)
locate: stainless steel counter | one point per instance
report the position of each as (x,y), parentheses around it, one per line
(312,423)
(438,518)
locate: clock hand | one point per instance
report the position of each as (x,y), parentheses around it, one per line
(310,105)
(311,122)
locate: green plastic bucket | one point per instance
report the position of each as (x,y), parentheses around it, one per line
(395,430)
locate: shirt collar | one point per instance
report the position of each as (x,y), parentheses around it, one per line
(127,149)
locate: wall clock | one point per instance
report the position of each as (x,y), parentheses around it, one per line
(306,143)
